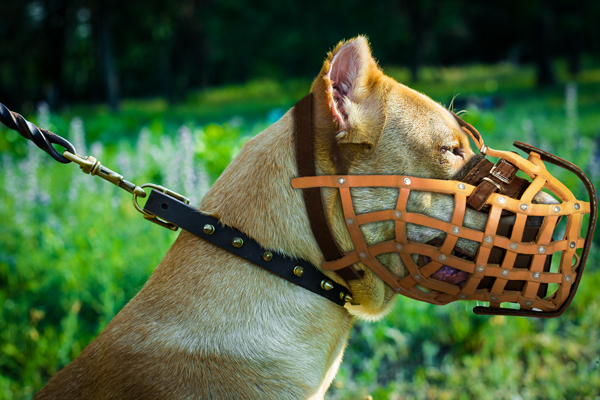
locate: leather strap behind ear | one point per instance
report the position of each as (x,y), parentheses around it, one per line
(303,136)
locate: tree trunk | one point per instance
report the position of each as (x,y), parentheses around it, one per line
(55,31)
(107,58)
(545,70)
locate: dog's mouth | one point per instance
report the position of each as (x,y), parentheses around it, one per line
(447,273)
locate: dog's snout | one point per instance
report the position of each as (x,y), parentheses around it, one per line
(544,198)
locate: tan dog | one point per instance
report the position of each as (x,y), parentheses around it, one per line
(210,325)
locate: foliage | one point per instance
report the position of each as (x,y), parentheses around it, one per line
(73,251)
(66,51)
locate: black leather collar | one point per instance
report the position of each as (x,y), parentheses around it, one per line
(297,271)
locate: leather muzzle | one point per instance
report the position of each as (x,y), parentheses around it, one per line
(518,269)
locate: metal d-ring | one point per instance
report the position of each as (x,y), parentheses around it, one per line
(152,217)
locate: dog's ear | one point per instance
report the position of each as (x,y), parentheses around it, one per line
(348,90)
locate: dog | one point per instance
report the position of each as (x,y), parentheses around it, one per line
(210,325)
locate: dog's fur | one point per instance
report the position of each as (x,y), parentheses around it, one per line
(211,325)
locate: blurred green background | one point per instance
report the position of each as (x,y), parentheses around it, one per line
(168,92)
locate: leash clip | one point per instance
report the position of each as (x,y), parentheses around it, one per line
(153,217)
(91,166)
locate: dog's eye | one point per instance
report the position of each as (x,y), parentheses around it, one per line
(457,151)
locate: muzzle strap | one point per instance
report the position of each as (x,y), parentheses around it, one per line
(303,136)
(494,178)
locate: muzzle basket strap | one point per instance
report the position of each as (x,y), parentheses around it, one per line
(303,137)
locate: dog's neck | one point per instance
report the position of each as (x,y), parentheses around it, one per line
(254,194)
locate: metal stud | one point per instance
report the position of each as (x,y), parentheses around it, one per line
(407,181)
(208,229)
(348,298)
(541,249)
(267,256)
(501,200)
(237,242)
(349,221)
(556,209)
(512,246)
(399,247)
(463,296)
(298,270)
(524,206)
(362,254)
(577,206)
(480,268)
(326,285)
(529,303)
(568,278)
(341,181)
(493,298)
(461,186)
(572,245)
(418,277)
(536,275)
(487,239)
(397,214)
(442,257)
(504,272)
(456,230)
(398,289)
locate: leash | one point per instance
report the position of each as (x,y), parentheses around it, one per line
(171,210)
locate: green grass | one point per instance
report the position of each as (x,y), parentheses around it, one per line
(73,250)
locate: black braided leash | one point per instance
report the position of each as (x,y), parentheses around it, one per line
(43,138)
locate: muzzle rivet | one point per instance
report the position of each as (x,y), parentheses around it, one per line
(461,186)
(349,221)
(572,245)
(208,229)
(480,268)
(442,258)
(541,249)
(362,254)
(456,230)
(463,296)
(237,242)
(556,209)
(504,272)
(529,303)
(536,275)
(487,239)
(407,181)
(493,298)
(341,181)
(298,270)
(397,214)
(399,247)
(524,206)
(501,200)
(577,206)
(326,285)
(512,246)
(267,256)
(417,277)
(567,278)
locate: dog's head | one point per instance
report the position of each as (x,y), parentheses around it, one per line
(368,124)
